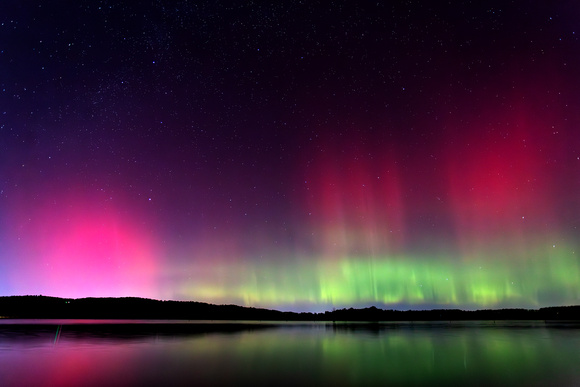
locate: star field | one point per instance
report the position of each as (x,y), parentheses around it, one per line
(294,155)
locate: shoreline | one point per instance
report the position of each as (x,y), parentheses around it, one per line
(132,308)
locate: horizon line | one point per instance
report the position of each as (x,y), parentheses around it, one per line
(442,307)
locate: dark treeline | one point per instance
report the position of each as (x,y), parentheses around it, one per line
(142,308)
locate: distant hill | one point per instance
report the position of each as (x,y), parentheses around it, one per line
(143,308)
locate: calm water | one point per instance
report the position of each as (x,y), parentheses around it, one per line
(89,353)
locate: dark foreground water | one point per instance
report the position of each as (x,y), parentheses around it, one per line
(85,353)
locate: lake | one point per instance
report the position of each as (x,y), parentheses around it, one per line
(124,353)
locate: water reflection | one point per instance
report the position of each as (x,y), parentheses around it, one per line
(238,353)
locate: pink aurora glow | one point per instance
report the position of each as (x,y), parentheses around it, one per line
(71,248)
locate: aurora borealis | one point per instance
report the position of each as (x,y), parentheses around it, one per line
(292,155)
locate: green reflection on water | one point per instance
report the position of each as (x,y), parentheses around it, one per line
(438,353)
(405,355)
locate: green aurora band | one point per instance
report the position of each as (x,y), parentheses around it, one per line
(531,278)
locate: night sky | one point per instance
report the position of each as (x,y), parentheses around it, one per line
(296,155)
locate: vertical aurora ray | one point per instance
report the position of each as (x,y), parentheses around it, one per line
(355,206)
(500,187)
(502,244)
